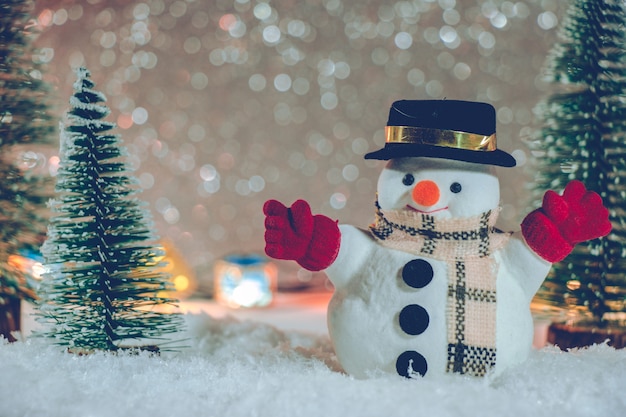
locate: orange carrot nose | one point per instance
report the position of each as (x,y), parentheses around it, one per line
(426,193)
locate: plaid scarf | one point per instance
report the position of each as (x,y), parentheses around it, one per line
(466,245)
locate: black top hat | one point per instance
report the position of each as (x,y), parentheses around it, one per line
(448,129)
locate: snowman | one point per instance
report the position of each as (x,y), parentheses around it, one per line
(432,286)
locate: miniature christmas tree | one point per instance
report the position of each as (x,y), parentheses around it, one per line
(584,137)
(24,190)
(103,279)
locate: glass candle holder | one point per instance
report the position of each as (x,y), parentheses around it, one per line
(245,280)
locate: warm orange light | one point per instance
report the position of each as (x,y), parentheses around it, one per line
(28,265)
(181,282)
(45,17)
(181,275)
(125,121)
(53,165)
(573,285)
(227,21)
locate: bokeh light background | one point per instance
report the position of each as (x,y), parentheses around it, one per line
(224,104)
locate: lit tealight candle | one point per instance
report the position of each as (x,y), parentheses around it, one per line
(244,280)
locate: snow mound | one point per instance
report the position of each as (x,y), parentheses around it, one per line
(244,368)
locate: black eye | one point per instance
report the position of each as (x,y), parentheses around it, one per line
(455,187)
(408,179)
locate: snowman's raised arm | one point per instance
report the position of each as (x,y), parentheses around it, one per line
(521,263)
(356,247)
(293,233)
(563,221)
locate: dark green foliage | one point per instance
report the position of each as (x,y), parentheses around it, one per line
(104,278)
(25,123)
(584,137)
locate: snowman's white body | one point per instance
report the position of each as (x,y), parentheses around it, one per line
(370,291)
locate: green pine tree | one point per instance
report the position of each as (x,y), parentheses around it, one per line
(583,136)
(104,280)
(25,125)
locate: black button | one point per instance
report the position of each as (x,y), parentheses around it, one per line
(414,319)
(418,273)
(411,363)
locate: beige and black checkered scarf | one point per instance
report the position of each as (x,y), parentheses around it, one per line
(466,245)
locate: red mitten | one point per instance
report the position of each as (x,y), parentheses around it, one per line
(562,221)
(295,234)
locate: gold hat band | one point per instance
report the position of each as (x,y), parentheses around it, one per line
(437,137)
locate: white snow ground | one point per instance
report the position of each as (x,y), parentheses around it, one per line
(246,368)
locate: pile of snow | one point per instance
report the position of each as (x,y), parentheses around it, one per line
(244,368)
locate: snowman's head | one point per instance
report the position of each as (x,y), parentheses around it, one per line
(439,187)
